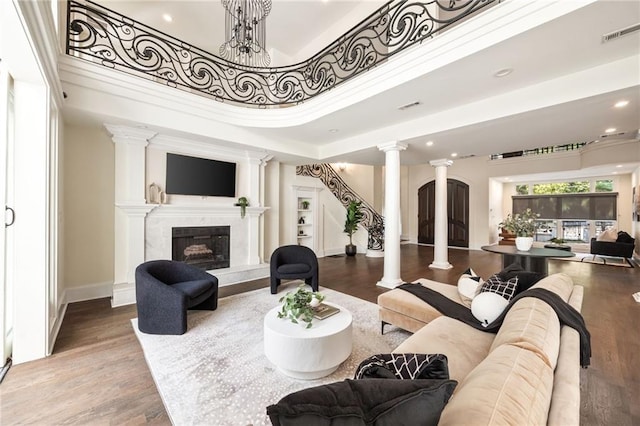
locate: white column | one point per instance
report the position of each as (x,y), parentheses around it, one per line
(441,237)
(131,208)
(391,274)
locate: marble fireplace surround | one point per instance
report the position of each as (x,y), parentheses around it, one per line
(143,231)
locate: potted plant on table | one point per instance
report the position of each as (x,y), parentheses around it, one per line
(298,306)
(354,217)
(523,225)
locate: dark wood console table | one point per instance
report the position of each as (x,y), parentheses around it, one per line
(534,260)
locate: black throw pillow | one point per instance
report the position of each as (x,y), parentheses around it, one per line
(526,279)
(373,402)
(623,237)
(403,366)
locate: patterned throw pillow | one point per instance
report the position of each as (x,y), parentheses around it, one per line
(495,284)
(468,285)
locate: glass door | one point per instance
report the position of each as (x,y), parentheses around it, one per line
(6,143)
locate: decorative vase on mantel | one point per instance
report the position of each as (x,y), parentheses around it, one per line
(524,243)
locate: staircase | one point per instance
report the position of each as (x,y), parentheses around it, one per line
(372,221)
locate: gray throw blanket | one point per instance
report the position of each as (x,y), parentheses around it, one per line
(566,313)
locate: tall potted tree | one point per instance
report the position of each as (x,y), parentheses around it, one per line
(354,217)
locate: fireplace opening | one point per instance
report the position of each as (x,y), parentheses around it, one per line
(206,247)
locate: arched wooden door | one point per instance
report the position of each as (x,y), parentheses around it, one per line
(457,213)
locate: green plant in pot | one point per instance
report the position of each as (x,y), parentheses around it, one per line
(523,225)
(354,217)
(298,306)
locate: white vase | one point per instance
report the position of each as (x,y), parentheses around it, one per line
(524,243)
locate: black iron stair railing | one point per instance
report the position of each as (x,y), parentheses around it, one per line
(103,36)
(372,221)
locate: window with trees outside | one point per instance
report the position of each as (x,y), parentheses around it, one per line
(570,212)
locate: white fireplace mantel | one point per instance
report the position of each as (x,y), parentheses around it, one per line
(143,231)
(200,210)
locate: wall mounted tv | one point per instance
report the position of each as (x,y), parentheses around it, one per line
(200,176)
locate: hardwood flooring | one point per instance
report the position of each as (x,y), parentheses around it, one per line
(97,374)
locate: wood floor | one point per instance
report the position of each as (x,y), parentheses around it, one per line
(98,375)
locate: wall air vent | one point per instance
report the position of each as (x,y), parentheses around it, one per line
(411,105)
(616,34)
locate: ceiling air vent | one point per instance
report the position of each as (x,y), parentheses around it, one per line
(411,105)
(612,135)
(616,34)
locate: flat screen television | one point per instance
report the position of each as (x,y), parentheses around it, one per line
(200,176)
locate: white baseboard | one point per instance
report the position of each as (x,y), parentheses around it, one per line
(53,336)
(88,292)
(123,294)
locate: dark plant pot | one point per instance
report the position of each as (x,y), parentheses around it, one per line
(350,249)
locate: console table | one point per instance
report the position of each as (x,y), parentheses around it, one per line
(534,260)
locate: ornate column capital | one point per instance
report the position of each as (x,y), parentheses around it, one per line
(130,135)
(440,163)
(392,146)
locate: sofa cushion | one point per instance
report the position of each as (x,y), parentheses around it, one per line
(464,346)
(561,284)
(367,401)
(511,386)
(610,235)
(411,306)
(468,286)
(531,324)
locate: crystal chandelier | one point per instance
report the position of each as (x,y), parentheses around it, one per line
(245,22)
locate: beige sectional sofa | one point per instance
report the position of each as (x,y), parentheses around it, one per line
(526,374)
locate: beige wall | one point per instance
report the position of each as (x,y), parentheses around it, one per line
(88,158)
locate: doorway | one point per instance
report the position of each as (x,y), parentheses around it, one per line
(457,213)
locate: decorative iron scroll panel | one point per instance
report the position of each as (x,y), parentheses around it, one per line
(372,220)
(102,36)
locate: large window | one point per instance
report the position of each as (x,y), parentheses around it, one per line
(590,206)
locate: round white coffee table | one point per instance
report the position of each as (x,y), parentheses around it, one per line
(308,353)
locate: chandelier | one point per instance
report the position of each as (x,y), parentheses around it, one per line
(245,22)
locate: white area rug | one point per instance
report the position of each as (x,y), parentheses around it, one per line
(598,260)
(216,373)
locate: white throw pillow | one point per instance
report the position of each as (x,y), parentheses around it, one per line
(610,235)
(469,285)
(487,306)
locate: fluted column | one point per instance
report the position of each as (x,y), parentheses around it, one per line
(131,207)
(441,237)
(391,275)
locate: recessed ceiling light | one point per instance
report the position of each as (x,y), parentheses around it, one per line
(619,166)
(333,130)
(610,130)
(503,72)
(454,154)
(167,17)
(429,143)
(621,104)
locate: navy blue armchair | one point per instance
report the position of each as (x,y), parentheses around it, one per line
(166,289)
(294,262)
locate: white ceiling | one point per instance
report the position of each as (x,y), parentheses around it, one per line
(565,53)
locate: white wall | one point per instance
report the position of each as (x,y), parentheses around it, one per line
(89,213)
